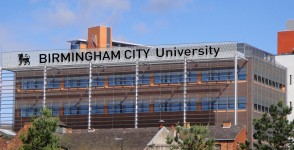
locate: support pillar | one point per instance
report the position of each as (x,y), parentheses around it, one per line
(236,88)
(44,85)
(136,87)
(1,93)
(185,90)
(89,96)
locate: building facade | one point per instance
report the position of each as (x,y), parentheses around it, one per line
(285,57)
(136,86)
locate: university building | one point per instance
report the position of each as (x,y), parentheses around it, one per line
(285,57)
(204,83)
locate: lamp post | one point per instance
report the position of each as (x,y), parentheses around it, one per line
(121,142)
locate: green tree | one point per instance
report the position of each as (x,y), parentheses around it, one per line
(193,138)
(244,146)
(273,131)
(41,135)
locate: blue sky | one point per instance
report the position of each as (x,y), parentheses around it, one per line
(48,24)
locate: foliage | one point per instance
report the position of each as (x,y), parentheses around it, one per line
(273,130)
(245,146)
(193,138)
(40,135)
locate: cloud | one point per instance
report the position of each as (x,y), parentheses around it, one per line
(83,13)
(102,11)
(9,42)
(59,14)
(166,5)
(140,28)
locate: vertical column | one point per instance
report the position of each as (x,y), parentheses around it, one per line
(90,96)
(44,85)
(236,88)
(185,89)
(1,94)
(136,86)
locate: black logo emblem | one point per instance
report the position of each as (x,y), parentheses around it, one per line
(25,59)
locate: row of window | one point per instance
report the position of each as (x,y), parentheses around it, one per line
(127,106)
(129,79)
(173,77)
(268,82)
(223,75)
(222,103)
(261,108)
(30,111)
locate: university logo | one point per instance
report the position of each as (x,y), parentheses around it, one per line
(25,59)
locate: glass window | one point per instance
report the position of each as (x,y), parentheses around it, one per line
(242,102)
(191,76)
(222,103)
(241,73)
(114,107)
(176,77)
(157,78)
(83,109)
(205,104)
(204,76)
(71,82)
(143,106)
(84,82)
(129,80)
(231,104)
(111,80)
(223,76)
(73,110)
(66,110)
(162,105)
(39,84)
(98,108)
(175,105)
(144,79)
(98,81)
(53,83)
(128,107)
(191,104)
(30,84)
(30,111)
(23,112)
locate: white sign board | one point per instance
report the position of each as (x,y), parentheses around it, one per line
(14,60)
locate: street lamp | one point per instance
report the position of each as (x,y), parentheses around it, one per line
(121,142)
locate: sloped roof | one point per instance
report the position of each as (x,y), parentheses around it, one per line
(7,132)
(220,133)
(104,139)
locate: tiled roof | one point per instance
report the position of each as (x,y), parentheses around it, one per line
(220,133)
(104,139)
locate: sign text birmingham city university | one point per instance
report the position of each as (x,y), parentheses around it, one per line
(127,54)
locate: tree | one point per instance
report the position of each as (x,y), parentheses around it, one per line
(244,146)
(40,135)
(193,138)
(273,130)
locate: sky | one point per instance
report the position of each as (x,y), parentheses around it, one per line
(48,24)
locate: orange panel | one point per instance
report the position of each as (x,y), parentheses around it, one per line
(97,37)
(103,37)
(285,42)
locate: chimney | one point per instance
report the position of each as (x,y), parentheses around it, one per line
(187,125)
(161,123)
(227,124)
